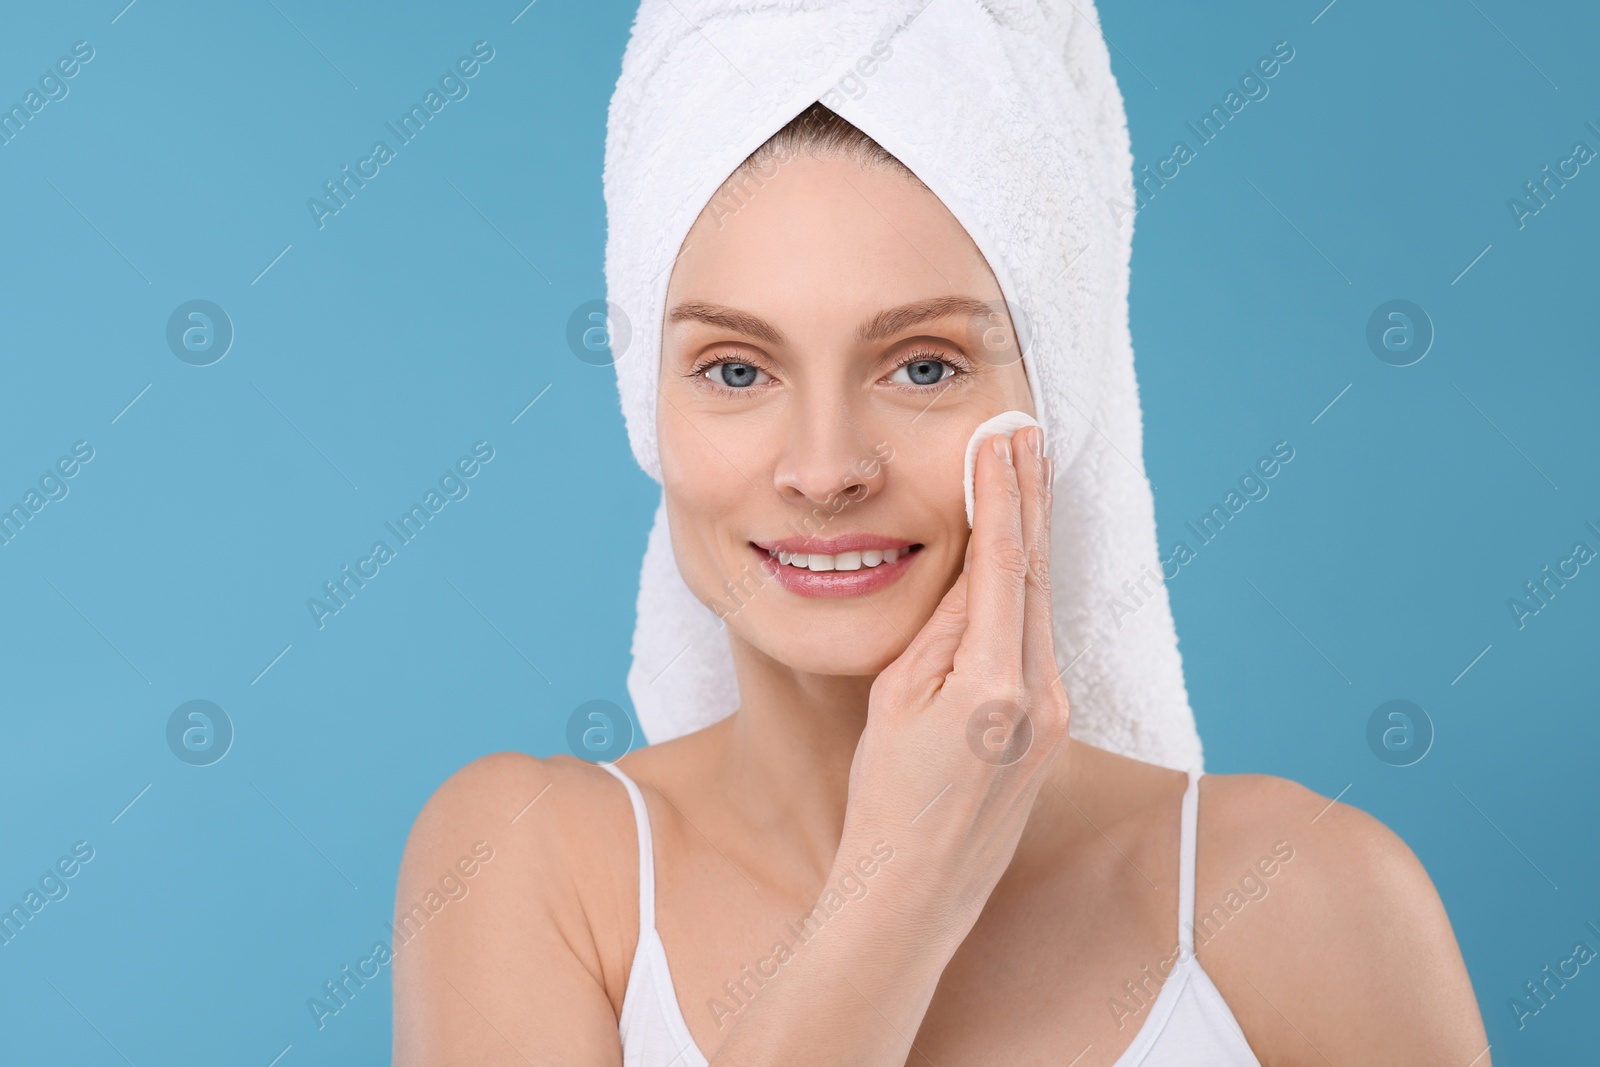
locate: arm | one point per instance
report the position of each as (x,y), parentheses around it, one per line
(855,991)
(1352,958)
(505,971)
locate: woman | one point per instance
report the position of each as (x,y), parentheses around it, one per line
(893,851)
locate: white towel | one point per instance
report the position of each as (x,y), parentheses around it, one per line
(1007,111)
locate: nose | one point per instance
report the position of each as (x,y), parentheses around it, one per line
(829,455)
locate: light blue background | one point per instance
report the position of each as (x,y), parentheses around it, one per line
(431,310)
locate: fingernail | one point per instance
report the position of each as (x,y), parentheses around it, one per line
(1036,441)
(1002,446)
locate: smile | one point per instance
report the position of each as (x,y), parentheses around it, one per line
(844,561)
(855,566)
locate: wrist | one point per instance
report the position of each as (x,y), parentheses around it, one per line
(888,905)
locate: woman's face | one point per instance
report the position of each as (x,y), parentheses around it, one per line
(829,346)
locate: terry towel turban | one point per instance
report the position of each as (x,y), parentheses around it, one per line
(1007,111)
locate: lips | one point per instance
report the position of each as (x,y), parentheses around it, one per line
(844,566)
(833,545)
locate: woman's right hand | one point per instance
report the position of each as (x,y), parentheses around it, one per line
(963,728)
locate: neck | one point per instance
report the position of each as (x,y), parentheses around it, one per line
(784,757)
(786,752)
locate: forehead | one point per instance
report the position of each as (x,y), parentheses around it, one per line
(826,234)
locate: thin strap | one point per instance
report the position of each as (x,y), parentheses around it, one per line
(1186,849)
(647,866)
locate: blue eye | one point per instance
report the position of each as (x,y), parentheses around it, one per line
(731,374)
(923,371)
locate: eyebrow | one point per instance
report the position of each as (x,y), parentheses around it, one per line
(885,323)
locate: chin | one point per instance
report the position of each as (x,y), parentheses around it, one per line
(828,637)
(834,656)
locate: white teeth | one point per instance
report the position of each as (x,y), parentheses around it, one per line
(843,561)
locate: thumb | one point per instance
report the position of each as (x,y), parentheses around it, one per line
(930,656)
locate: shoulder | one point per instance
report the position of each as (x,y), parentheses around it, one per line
(553,877)
(1338,876)
(512,792)
(1342,876)
(564,815)
(1335,863)
(552,825)
(1315,920)
(1242,812)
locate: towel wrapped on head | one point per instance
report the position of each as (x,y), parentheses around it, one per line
(1008,112)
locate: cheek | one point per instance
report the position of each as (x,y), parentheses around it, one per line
(923,499)
(705,497)
(927,465)
(707,463)
(935,484)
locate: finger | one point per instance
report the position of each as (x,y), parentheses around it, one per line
(992,646)
(1038,632)
(930,656)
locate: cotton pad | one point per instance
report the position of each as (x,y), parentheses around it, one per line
(1005,422)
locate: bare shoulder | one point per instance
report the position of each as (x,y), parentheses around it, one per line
(557,827)
(514,919)
(510,792)
(1324,932)
(1241,811)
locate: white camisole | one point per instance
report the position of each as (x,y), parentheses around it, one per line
(1187,1025)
